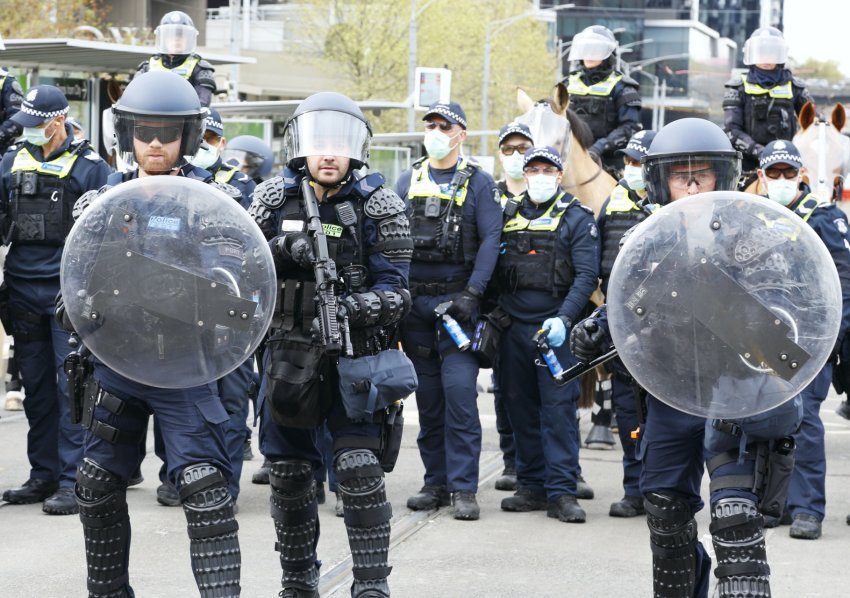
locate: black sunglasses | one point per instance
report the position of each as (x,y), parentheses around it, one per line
(775,173)
(443,126)
(509,150)
(165,133)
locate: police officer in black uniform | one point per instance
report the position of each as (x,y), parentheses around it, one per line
(252,154)
(625,207)
(762,104)
(158,119)
(548,268)
(176,40)
(601,95)
(48,169)
(367,233)
(209,158)
(455,222)
(11,96)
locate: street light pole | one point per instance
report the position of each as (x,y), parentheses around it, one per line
(411,62)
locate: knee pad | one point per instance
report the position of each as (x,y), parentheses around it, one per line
(213,530)
(737,532)
(102,497)
(296,520)
(673,538)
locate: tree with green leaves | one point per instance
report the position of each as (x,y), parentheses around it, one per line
(30,19)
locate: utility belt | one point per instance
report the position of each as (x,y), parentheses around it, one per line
(39,328)
(85,399)
(435,289)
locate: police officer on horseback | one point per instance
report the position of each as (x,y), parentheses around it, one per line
(176,41)
(601,95)
(762,104)
(362,265)
(11,96)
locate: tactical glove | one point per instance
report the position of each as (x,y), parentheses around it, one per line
(293,248)
(588,340)
(465,305)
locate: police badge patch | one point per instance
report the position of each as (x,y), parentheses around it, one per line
(841,225)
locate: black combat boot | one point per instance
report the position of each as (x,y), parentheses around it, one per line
(429,498)
(566,508)
(628,506)
(507,481)
(466,507)
(525,500)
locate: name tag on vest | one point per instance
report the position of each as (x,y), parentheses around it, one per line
(332,230)
(50,167)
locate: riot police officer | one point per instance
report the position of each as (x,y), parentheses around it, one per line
(606,99)
(252,154)
(159,120)
(547,270)
(455,225)
(176,41)
(781,173)
(762,104)
(687,157)
(11,96)
(624,208)
(47,170)
(209,158)
(363,265)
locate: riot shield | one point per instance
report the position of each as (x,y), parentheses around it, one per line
(168,281)
(724,304)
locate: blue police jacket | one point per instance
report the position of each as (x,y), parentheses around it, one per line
(89,172)
(384,274)
(577,243)
(481,215)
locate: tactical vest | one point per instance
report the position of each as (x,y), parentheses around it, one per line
(41,200)
(184,69)
(804,210)
(529,247)
(769,113)
(225,174)
(436,224)
(593,103)
(621,214)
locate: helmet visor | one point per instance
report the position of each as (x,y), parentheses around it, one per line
(327,133)
(591,46)
(166,129)
(673,176)
(176,39)
(765,49)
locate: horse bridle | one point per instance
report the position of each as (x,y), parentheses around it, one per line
(566,147)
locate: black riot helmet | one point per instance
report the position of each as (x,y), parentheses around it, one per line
(176,34)
(327,124)
(163,105)
(252,154)
(694,142)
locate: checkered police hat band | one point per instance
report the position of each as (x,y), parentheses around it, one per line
(544,154)
(45,115)
(213,123)
(448,112)
(786,157)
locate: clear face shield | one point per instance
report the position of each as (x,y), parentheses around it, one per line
(177,39)
(327,133)
(249,162)
(765,49)
(166,130)
(667,177)
(591,46)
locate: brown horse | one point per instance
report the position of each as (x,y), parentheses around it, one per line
(552,123)
(825,150)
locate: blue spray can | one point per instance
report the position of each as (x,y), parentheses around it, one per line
(456,332)
(548,355)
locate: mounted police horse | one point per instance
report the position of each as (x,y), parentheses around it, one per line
(552,123)
(825,150)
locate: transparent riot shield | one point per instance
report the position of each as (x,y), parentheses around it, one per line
(168,281)
(724,304)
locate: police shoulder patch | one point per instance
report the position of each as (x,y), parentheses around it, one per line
(270,193)
(93,156)
(841,225)
(594,232)
(383,203)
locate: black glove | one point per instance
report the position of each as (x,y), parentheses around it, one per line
(295,248)
(61,314)
(587,340)
(465,305)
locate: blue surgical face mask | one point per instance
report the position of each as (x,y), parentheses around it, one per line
(541,187)
(782,191)
(438,144)
(634,177)
(37,135)
(513,165)
(206,156)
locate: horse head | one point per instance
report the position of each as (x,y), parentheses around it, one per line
(825,150)
(552,123)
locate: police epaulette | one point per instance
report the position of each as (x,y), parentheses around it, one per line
(367,185)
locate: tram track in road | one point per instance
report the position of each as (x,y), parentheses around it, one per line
(339,576)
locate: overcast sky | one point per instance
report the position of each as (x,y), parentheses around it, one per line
(818,29)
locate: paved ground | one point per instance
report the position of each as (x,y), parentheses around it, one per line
(502,554)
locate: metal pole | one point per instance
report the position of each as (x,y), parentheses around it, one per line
(485,94)
(411,68)
(233,92)
(655,99)
(661,116)
(246,22)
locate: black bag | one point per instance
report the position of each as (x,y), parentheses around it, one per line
(488,336)
(370,383)
(294,386)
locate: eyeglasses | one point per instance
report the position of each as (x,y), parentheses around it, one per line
(443,126)
(165,133)
(509,150)
(775,173)
(533,170)
(683,180)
